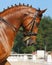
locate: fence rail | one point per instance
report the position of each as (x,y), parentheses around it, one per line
(22,57)
(39,56)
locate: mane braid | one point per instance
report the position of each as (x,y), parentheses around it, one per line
(23,4)
(30,5)
(15,4)
(19,4)
(8,7)
(11,5)
(4,9)
(27,5)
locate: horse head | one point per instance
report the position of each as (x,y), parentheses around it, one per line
(31,24)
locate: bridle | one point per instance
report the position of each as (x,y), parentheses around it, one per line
(9,24)
(29,33)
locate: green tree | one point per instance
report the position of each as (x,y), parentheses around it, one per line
(45,33)
(44,37)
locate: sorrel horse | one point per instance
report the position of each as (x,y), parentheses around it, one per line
(11,20)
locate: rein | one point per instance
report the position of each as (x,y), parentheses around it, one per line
(9,24)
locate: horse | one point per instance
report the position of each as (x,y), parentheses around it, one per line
(11,19)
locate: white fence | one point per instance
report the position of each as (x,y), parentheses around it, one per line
(39,56)
(22,57)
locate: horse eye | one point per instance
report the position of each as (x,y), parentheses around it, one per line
(40,15)
(25,14)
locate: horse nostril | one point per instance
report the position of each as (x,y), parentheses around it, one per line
(29,42)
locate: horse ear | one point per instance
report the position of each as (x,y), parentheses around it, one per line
(42,11)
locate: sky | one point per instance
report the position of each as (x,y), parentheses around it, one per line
(42,4)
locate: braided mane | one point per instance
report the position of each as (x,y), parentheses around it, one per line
(13,6)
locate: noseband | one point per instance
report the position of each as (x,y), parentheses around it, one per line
(30,33)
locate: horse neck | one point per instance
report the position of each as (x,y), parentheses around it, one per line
(16,15)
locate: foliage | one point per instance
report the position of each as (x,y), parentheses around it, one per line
(29,49)
(44,33)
